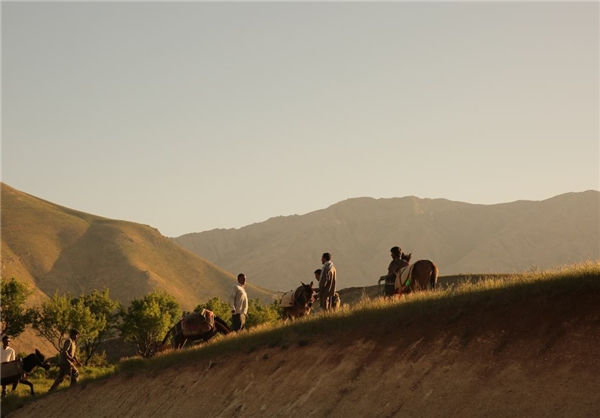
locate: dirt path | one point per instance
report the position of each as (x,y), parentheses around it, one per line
(538,359)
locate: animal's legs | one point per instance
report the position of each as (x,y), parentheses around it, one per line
(28,383)
(183,341)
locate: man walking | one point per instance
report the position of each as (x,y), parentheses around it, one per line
(239,304)
(327,282)
(67,361)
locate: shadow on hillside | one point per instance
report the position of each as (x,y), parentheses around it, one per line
(95,261)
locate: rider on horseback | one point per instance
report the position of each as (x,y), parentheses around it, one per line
(393,268)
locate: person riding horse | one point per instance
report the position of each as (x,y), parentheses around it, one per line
(393,268)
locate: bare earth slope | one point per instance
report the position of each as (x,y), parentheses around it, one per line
(538,357)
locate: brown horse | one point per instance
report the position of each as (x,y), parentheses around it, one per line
(300,302)
(194,327)
(422,275)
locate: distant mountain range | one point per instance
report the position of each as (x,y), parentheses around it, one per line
(54,248)
(459,237)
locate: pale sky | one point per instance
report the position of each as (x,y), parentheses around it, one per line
(193,116)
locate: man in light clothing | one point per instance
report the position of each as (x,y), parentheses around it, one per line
(239,304)
(7,354)
(327,282)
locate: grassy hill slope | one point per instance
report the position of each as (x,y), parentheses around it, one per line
(56,248)
(518,346)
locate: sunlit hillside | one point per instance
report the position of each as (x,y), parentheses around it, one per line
(54,248)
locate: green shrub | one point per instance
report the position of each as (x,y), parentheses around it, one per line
(258,313)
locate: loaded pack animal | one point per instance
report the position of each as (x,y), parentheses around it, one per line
(422,275)
(15,372)
(197,326)
(298,303)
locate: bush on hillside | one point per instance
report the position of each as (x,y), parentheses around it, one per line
(258,313)
(57,316)
(106,320)
(148,319)
(14,317)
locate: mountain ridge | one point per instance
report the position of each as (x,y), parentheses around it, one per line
(459,237)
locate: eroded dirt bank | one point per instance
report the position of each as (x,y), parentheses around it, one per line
(539,358)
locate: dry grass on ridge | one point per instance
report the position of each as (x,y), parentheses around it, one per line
(498,291)
(455,302)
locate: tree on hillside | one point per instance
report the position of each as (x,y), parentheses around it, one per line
(148,319)
(14,316)
(57,316)
(105,312)
(259,313)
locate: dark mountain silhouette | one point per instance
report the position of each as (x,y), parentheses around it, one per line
(458,237)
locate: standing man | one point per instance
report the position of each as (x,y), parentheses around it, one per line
(7,354)
(67,361)
(393,268)
(239,304)
(326,282)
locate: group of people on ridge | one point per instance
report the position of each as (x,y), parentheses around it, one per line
(238,300)
(326,277)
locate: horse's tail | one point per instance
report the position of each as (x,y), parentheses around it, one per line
(434,275)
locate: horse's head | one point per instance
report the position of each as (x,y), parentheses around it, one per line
(406,258)
(33,360)
(41,360)
(309,293)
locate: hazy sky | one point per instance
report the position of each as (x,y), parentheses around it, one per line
(194,116)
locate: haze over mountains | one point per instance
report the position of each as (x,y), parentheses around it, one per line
(458,237)
(54,248)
